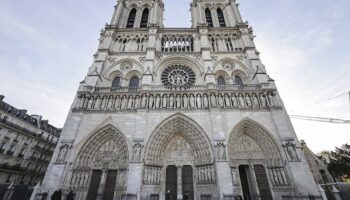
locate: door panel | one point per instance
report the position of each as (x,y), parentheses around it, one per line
(94,185)
(244,182)
(171,183)
(187,183)
(263,183)
(110,185)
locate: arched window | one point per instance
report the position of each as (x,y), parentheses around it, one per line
(221,17)
(208,17)
(144,18)
(221,80)
(134,83)
(238,80)
(116,82)
(131,19)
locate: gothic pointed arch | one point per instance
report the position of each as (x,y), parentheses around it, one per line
(144,18)
(131,18)
(250,140)
(208,17)
(182,126)
(221,17)
(106,147)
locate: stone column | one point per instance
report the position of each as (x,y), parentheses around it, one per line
(101,188)
(179,182)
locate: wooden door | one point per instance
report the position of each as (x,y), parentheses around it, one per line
(187,182)
(94,185)
(110,185)
(171,183)
(263,183)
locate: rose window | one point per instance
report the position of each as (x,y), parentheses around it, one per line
(178,75)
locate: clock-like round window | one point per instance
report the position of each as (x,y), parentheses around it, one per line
(178,75)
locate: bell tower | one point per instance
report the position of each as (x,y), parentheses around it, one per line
(138,14)
(215,13)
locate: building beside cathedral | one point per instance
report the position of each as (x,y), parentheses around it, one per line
(178,113)
(27,143)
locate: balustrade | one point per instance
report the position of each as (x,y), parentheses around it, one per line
(177,42)
(249,97)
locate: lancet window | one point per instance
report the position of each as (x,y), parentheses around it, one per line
(238,80)
(134,83)
(221,80)
(208,17)
(144,18)
(221,18)
(116,82)
(131,19)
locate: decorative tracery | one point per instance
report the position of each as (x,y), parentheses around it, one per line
(178,75)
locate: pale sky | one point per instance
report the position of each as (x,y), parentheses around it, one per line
(46,48)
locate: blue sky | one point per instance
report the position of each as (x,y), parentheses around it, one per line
(46,48)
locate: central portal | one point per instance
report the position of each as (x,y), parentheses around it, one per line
(179,162)
(179,183)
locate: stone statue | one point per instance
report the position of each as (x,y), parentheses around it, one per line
(227,101)
(185,101)
(241,101)
(117,103)
(130,102)
(271,99)
(144,101)
(165,101)
(199,101)
(90,102)
(192,101)
(124,102)
(178,101)
(104,103)
(62,153)
(110,103)
(291,152)
(205,101)
(121,178)
(213,100)
(221,154)
(234,100)
(248,101)
(137,102)
(97,103)
(262,100)
(220,101)
(137,152)
(151,102)
(255,101)
(171,101)
(158,102)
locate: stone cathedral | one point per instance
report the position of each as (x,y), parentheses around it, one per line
(179,113)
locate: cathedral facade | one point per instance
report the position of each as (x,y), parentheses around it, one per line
(178,113)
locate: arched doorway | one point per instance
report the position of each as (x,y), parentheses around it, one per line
(100,167)
(180,156)
(256,161)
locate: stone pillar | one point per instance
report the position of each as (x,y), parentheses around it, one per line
(179,182)
(254,181)
(101,188)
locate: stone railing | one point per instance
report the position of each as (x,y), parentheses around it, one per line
(177,40)
(163,97)
(162,88)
